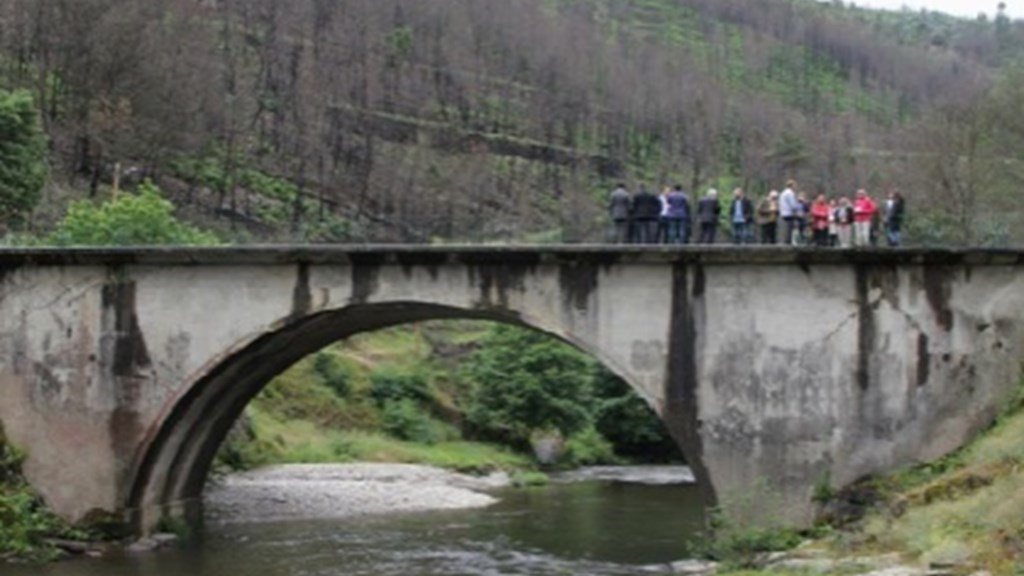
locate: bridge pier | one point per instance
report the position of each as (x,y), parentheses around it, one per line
(775,369)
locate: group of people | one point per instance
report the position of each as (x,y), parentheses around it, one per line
(778,218)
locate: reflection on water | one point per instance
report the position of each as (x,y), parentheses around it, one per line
(599,528)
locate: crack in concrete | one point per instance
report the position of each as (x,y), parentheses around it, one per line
(874,305)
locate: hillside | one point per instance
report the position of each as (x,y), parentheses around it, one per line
(391,120)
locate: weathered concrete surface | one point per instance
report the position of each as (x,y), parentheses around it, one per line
(122,370)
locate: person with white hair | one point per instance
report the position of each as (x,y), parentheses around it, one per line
(708,211)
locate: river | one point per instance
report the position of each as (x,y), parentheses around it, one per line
(623,523)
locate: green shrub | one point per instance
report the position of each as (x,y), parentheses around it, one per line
(25,522)
(528,478)
(629,423)
(145,218)
(739,548)
(405,419)
(588,448)
(23,153)
(10,462)
(527,381)
(392,385)
(334,372)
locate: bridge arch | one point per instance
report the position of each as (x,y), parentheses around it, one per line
(173,464)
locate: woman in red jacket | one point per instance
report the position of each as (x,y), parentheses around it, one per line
(819,220)
(864,209)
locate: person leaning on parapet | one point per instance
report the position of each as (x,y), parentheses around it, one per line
(768,217)
(894,212)
(864,209)
(618,211)
(646,211)
(708,211)
(677,216)
(741,214)
(789,210)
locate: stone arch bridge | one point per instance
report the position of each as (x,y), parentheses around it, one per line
(121,370)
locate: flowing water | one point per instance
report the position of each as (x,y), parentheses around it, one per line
(598,523)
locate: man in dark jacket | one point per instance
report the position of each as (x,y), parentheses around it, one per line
(894,213)
(708,211)
(741,214)
(646,211)
(618,212)
(677,216)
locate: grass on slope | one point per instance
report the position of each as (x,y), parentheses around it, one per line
(972,513)
(300,441)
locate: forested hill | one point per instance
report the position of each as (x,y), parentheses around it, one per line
(482,120)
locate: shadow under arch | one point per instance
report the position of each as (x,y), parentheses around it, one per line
(171,468)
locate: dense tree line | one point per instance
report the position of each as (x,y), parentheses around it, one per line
(471,119)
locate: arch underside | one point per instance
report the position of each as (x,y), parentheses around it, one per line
(173,467)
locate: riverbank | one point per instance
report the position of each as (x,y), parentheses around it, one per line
(332,491)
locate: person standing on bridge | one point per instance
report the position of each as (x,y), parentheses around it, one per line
(663,217)
(677,216)
(864,210)
(768,217)
(894,211)
(708,212)
(618,211)
(646,212)
(741,213)
(820,216)
(844,222)
(789,209)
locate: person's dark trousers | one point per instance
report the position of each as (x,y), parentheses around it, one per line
(768,232)
(663,226)
(707,233)
(740,233)
(647,231)
(653,229)
(673,230)
(893,235)
(790,226)
(821,238)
